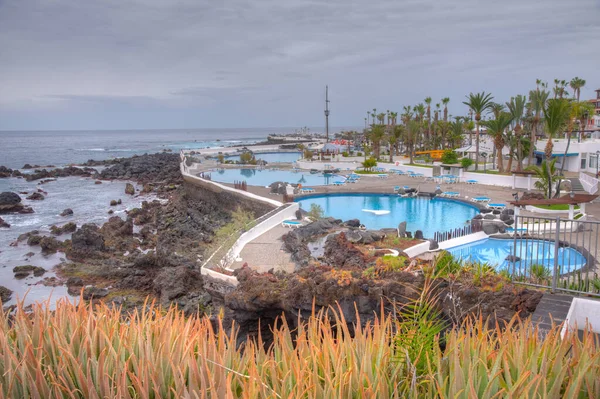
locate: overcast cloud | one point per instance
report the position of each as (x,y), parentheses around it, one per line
(79,64)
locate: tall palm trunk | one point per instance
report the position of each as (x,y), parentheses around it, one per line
(519,148)
(564,160)
(499,145)
(477,145)
(548,153)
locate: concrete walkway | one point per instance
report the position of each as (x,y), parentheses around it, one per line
(266,252)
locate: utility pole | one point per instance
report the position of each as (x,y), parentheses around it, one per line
(326,114)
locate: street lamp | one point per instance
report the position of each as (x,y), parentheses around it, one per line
(484,155)
(597,161)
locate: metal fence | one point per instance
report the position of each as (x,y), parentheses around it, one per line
(556,253)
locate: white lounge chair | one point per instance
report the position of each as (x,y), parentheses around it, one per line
(291,224)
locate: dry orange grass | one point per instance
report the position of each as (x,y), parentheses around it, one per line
(78,351)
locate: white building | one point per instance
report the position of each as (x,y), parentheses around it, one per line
(581,156)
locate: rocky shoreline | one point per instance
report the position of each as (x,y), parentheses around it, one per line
(157,249)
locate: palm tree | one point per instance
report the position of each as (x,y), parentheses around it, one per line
(457,129)
(445,101)
(497,109)
(496,128)
(394,139)
(516,107)
(545,175)
(537,103)
(578,112)
(377,134)
(428,102)
(556,116)
(576,84)
(478,103)
(412,132)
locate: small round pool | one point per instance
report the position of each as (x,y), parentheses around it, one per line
(271,157)
(264,177)
(494,252)
(378,211)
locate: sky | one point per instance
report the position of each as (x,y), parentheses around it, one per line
(139,64)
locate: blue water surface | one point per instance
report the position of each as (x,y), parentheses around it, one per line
(494,251)
(264,177)
(428,215)
(271,157)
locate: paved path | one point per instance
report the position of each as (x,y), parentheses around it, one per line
(266,252)
(552,308)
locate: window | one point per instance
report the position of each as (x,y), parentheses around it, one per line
(593,162)
(584,162)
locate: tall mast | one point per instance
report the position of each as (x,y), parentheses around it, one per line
(326,113)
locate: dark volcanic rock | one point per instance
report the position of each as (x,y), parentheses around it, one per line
(418,235)
(295,242)
(352,223)
(339,252)
(25,270)
(66,228)
(4,224)
(87,238)
(402,229)
(94,293)
(67,212)
(36,196)
(5,294)
(60,172)
(50,245)
(146,168)
(129,189)
(10,202)
(433,245)
(8,172)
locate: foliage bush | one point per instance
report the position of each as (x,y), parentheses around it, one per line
(90,351)
(221,158)
(369,163)
(466,163)
(359,154)
(316,212)
(449,157)
(345,154)
(308,154)
(246,157)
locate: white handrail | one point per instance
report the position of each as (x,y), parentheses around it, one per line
(589,183)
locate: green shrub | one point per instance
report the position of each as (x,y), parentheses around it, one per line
(449,157)
(466,163)
(369,163)
(359,154)
(221,158)
(345,154)
(316,212)
(246,157)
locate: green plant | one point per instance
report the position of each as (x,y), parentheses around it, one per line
(369,163)
(316,212)
(345,154)
(359,154)
(466,163)
(445,264)
(389,263)
(221,158)
(370,273)
(449,157)
(246,157)
(308,154)
(540,273)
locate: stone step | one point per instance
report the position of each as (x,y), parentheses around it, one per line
(576,184)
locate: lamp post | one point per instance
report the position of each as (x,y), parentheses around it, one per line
(597,161)
(484,155)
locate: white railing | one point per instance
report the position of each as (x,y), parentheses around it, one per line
(589,183)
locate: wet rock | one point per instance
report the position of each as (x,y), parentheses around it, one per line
(5,172)
(51,282)
(129,189)
(87,238)
(98,182)
(66,228)
(493,228)
(67,212)
(34,239)
(10,202)
(5,294)
(60,172)
(512,258)
(110,211)
(433,245)
(489,217)
(402,229)
(159,167)
(26,270)
(418,235)
(50,245)
(4,224)
(352,223)
(37,196)
(113,203)
(94,293)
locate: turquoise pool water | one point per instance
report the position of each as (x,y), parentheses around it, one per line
(494,252)
(378,211)
(264,177)
(271,157)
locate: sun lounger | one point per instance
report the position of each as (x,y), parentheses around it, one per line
(496,206)
(450,194)
(307,190)
(481,199)
(471,181)
(396,189)
(382,176)
(291,224)
(338,183)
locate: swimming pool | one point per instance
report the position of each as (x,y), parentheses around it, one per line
(271,157)
(264,177)
(494,252)
(378,211)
